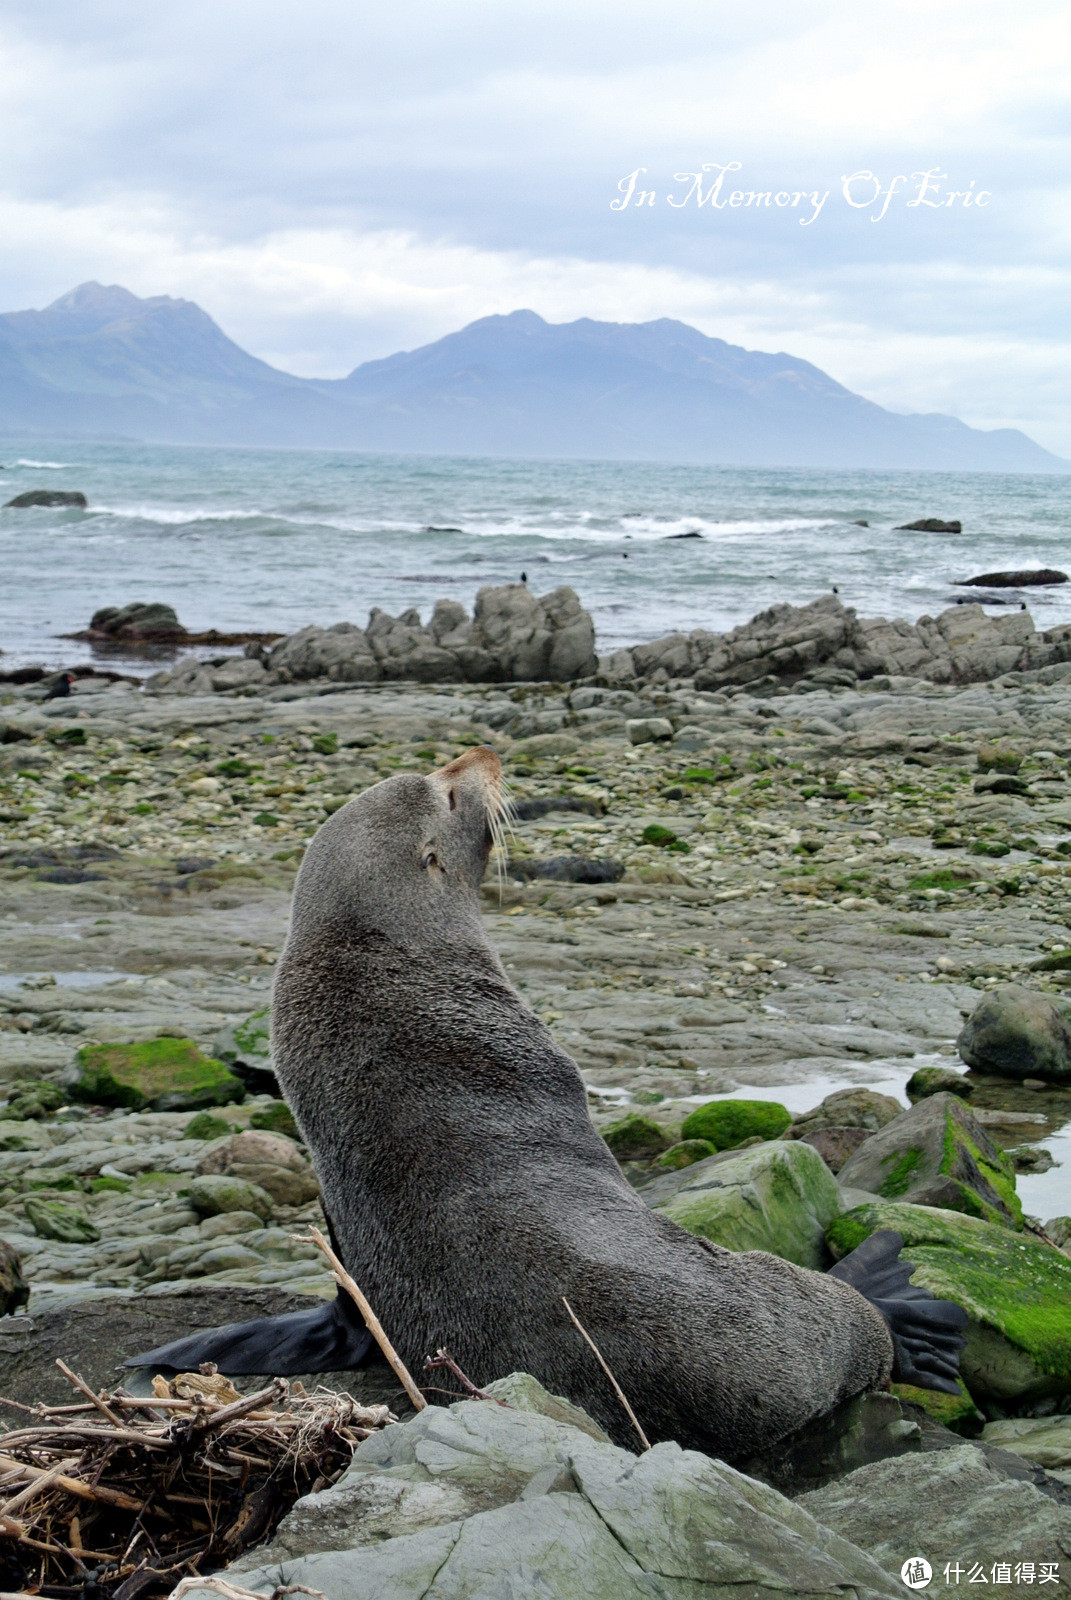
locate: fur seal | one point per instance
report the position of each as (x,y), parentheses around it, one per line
(468,1191)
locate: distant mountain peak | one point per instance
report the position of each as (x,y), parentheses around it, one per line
(101,360)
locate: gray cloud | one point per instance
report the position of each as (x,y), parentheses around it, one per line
(334,181)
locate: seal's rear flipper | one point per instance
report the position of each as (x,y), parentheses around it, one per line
(927,1334)
(328,1338)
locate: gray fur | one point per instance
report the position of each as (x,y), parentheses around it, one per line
(467,1187)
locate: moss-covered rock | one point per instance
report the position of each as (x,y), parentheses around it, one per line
(206,1126)
(212,1193)
(938,1154)
(277,1118)
(161,1074)
(955,1411)
(727,1123)
(636,1138)
(1015,1289)
(51,1219)
(245,1047)
(779,1197)
(14,1290)
(684,1154)
(847,1108)
(30,1102)
(936,1080)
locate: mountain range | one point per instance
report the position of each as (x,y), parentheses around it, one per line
(102,363)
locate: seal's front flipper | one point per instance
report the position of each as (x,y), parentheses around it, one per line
(927,1334)
(328,1338)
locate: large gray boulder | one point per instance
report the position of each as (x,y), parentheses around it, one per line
(1017,1033)
(938,1154)
(948,1506)
(341,652)
(479,1500)
(513,636)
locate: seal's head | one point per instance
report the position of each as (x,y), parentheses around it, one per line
(405,859)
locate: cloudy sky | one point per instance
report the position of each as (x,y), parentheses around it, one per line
(334,180)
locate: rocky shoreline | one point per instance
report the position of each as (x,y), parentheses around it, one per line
(805,883)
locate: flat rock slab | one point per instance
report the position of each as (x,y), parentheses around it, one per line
(949,1506)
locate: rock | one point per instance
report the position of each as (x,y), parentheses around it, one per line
(32,1101)
(241,673)
(1028,577)
(925,1081)
(727,1123)
(998,758)
(779,1197)
(525,1393)
(1030,1158)
(836,1146)
(224,1223)
(938,1154)
(846,1108)
(1044,1441)
(341,653)
(213,1193)
(868,1427)
(1015,1289)
(54,1220)
(1018,1033)
(684,1154)
(930,525)
(480,1500)
(14,1290)
(1059,1231)
(648,730)
(636,1138)
(278,1118)
(951,1505)
(956,1412)
(268,1161)
(138,623)
(245,1047)
(48,497)
(565,869)
(530,640)
(205,1126)
(166,1074)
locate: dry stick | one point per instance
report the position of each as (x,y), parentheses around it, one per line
(443,1358)
(111,1497)
(83,1387)
(617,1387)
(375,1327)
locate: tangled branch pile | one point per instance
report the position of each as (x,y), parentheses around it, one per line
(118,1498)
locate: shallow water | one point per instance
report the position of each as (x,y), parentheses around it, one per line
(262,540)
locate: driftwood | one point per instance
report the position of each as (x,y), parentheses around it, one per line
(123,1498)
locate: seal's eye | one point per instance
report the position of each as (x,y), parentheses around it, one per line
(453,801)
(429,859)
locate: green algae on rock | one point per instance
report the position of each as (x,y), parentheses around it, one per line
(30,1102)
(938,1154)
(777,1196)
(957,1412)
(936,1080)
(727,1123)
(1015,1289)
(206,1126)
(277,1118)
(51,1219)
(684,1154)
(164,1074)
(636,1138)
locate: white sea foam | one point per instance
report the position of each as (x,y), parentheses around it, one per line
(51,466)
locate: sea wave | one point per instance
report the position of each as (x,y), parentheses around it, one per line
(51,466)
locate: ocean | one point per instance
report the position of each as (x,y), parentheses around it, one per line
(270,540)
